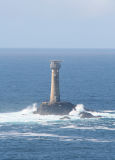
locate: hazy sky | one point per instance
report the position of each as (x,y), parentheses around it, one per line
(57,23)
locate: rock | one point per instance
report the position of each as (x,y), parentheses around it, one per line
(58,108)
(65,117)
(88,115)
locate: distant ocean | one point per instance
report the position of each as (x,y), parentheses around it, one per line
(87,79)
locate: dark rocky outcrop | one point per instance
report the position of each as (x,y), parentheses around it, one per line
(58,108)
(87,115)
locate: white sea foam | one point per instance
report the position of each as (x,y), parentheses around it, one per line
(87,128)
(109,111)
(88,139)
(19,134)
(78,109)
(26,115)
(98,140)
(75,113)
(31,136)
(103,114)
(30,109)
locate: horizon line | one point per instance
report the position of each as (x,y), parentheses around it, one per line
(55,48)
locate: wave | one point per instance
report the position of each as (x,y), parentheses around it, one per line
(29,109)
(80,108)
(109,111)
(32,135)
(87,128)
(26,115)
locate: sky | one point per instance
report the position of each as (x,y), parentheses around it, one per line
(57,23)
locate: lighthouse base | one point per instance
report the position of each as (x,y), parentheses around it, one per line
(58,108)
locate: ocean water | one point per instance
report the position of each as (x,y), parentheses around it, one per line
(87,79)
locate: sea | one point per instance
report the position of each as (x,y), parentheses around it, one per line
(87,79)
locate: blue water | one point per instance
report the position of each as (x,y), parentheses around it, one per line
(86,77)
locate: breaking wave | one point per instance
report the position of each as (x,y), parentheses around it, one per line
(78,109)
(81,108)
(30,109)
(27,115)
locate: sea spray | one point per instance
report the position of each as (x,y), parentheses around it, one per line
(78,109)
(30,109)
(27,115)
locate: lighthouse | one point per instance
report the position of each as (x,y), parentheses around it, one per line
(55,91)
(55,106)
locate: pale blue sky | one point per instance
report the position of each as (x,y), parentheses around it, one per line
(57,23)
